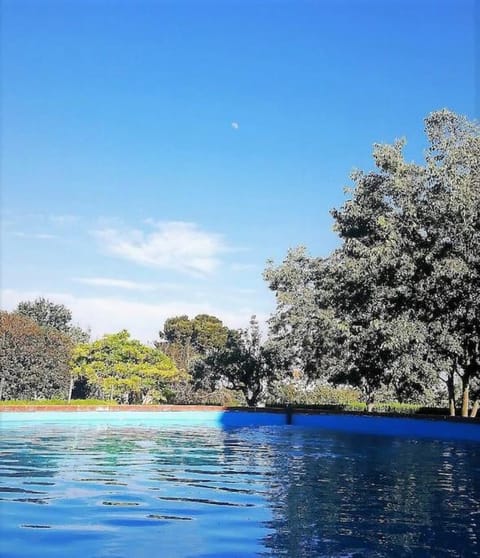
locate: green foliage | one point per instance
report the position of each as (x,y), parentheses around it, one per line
(326,397)
(56,316)
(187,393)
(291,392)
(124,369)
(300,314)
(178,329)
(186,340)
(209,334)
(396,407)
(46,313)
(396,306)
(33,359)
(78,335)
(242,364)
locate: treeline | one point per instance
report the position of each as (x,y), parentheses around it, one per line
(396,307)
(44,356)
(393,314)
(219,362)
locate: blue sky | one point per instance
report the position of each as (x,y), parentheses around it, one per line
(156,154)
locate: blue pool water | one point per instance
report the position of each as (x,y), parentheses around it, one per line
(126,487)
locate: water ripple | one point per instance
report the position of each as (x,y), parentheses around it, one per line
(105,492)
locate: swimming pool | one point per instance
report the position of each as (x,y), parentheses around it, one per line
(115,485)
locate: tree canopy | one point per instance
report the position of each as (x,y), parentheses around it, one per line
(242,364)
(57,316)
(398,304)
(33,359)
(185,340)
(122,368)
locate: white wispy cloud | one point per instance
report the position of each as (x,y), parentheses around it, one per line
(142,319)
(235,125)
(174,245)
(115,283)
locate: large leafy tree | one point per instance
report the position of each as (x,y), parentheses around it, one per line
(209,333)
(122,368)
(242,364)
(385,342)
(176,341)
(450,284)
(304,326)
(435,218)
(57,316)
(331,321)
(399,301)
(185,340)
(46,313)
(33,359)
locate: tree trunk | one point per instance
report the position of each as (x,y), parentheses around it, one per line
(369,400)
(465,396)
(251,396)
(70,389)
(470,371)
(475,407)
(187,357)
(451,393)
(451,406)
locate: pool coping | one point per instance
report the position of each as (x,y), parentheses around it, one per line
(137,409)
(288,411)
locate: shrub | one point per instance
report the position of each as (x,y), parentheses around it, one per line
(313,394)
(33,359)
(184,393)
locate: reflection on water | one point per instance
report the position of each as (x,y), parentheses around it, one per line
(271,491)
(346,495)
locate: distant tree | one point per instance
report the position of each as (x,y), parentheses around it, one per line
(209,333)
(33,359)
(304,331)
(184,340)
(46,313)
(78,335)
(57,316)
(178,329)
(176,341)
(242,364)
(122,368)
